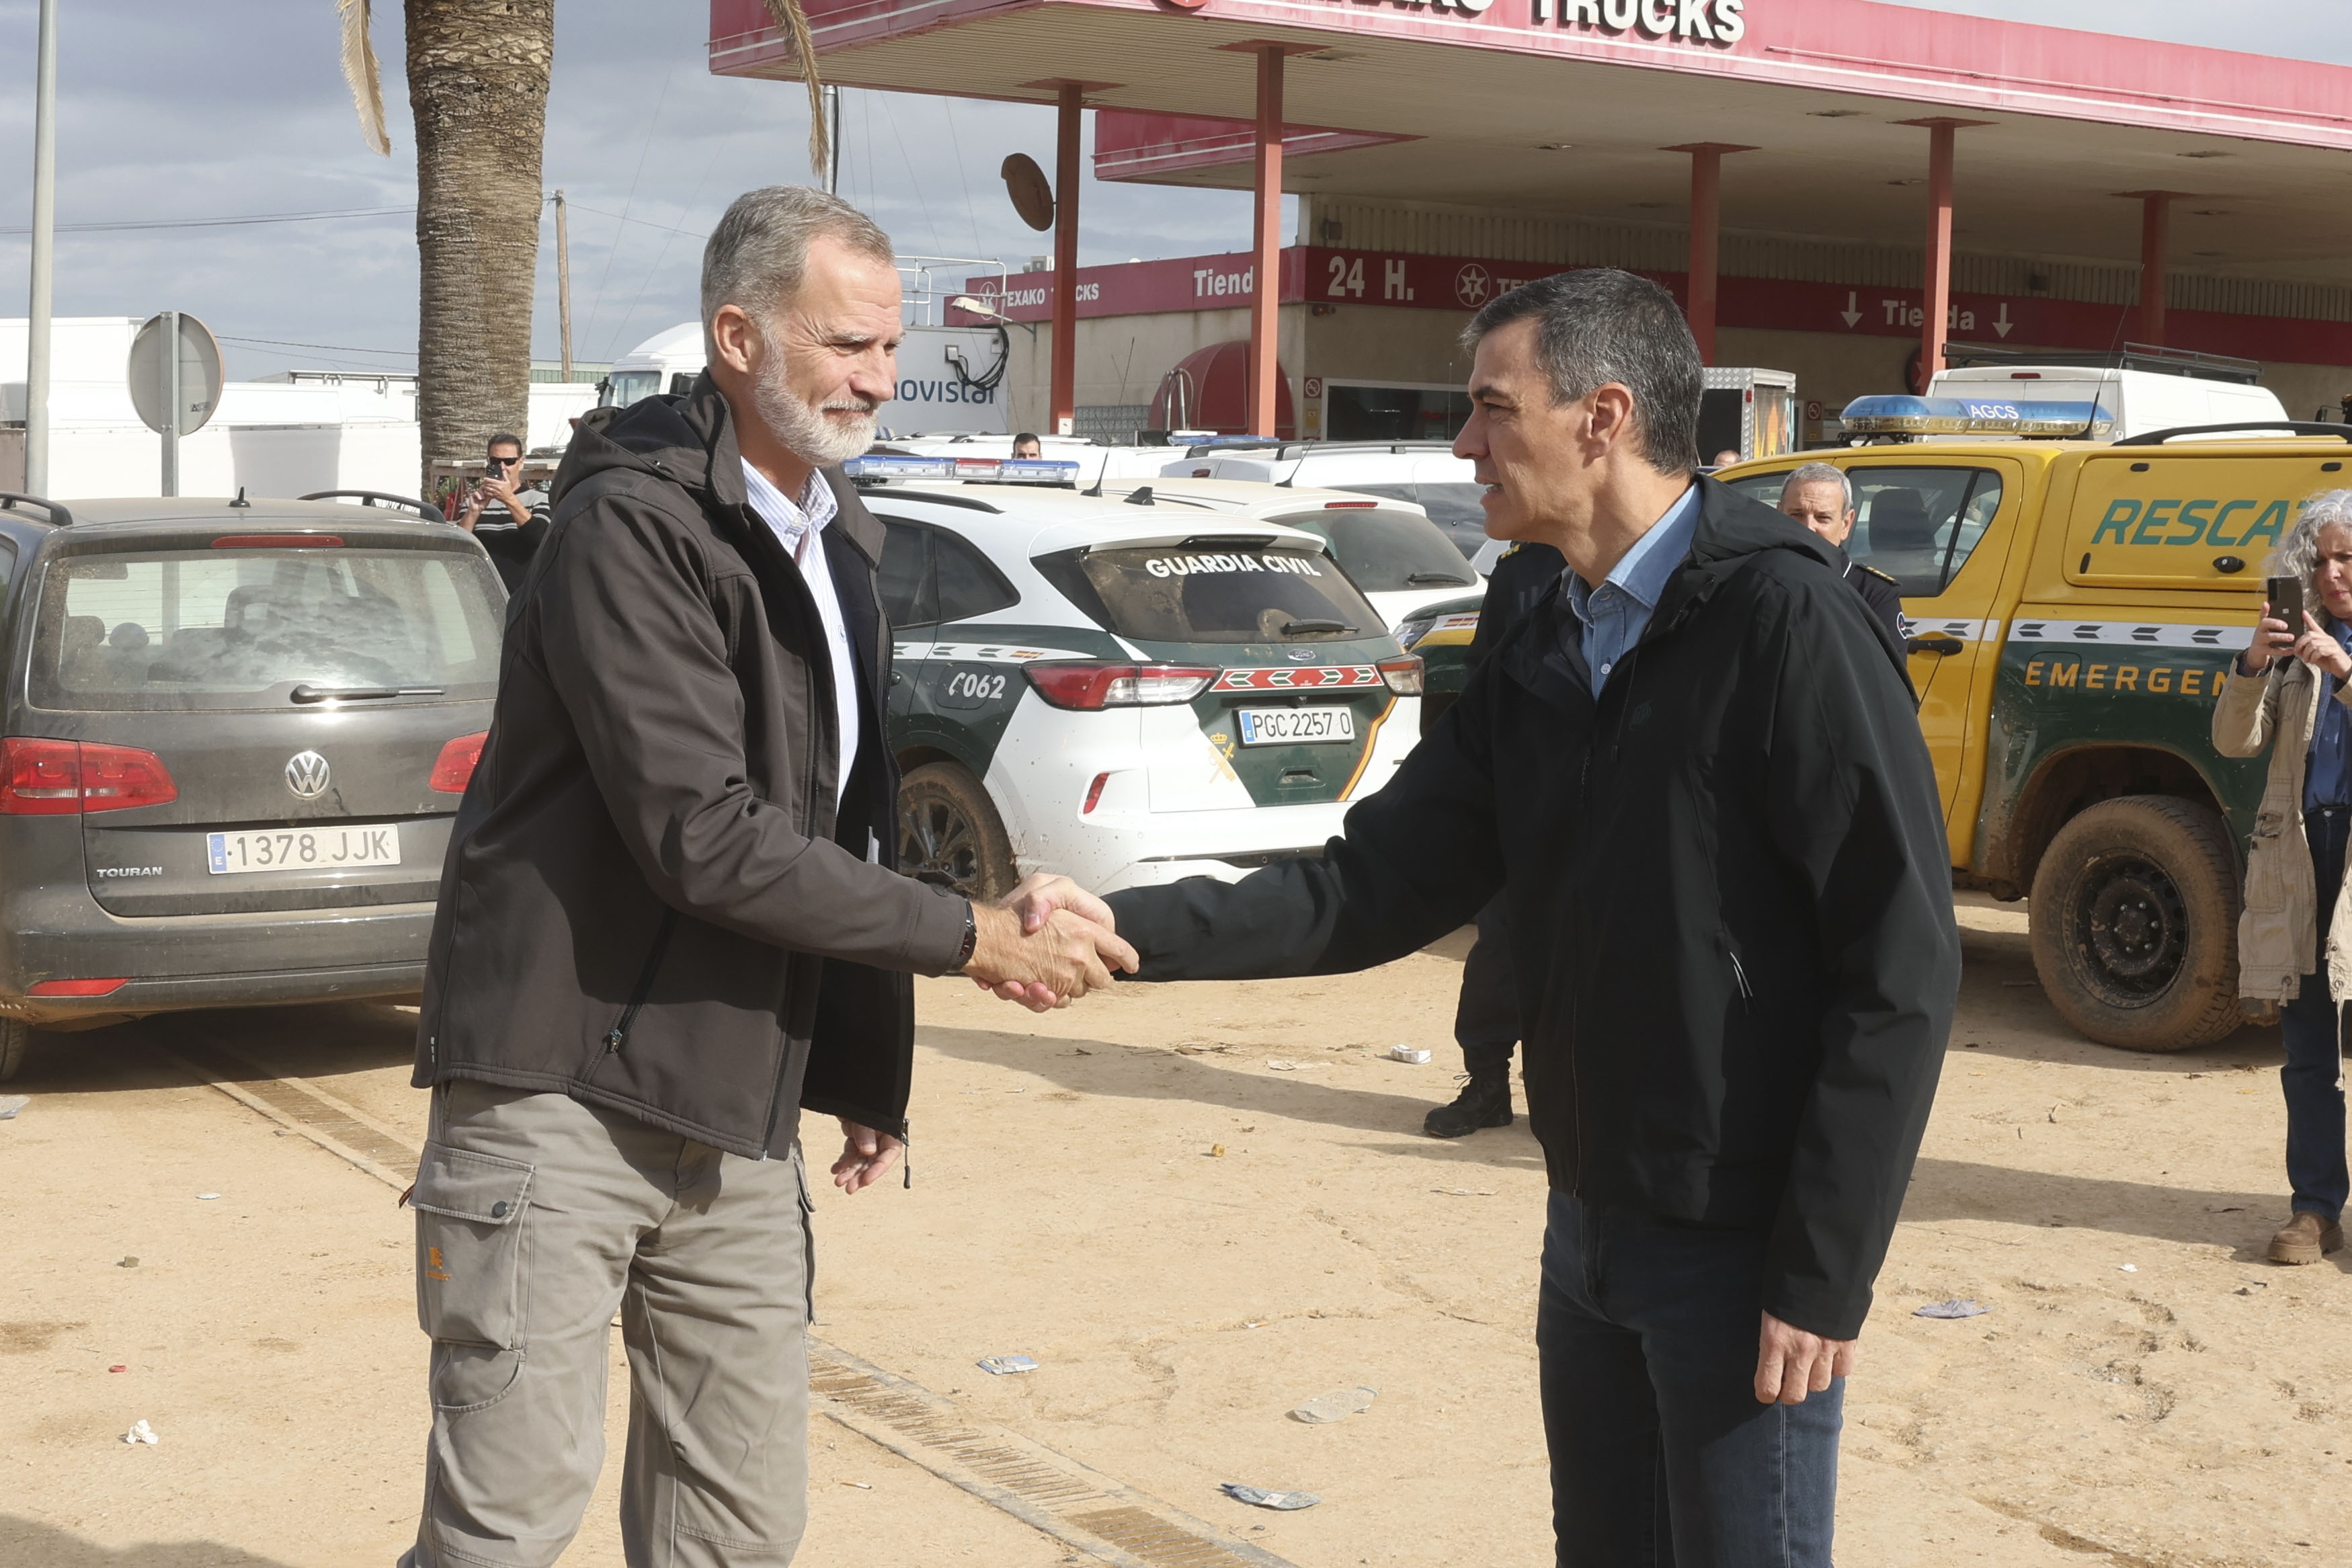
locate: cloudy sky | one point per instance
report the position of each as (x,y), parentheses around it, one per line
(237,108)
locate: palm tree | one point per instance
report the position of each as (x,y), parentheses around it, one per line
(478,76)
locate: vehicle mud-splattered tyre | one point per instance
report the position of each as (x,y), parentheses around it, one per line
(14,1035)
(950,834)
(2135,924)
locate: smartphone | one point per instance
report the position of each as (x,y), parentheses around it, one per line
(2285,594)
(498,467)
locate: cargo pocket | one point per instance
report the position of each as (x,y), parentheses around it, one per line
(471,1276)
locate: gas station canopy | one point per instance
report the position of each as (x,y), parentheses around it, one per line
(1553,106)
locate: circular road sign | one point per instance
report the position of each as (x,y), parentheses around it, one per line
(1032,198)
(200,375)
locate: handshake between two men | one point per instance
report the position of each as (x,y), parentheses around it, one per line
(1043,944)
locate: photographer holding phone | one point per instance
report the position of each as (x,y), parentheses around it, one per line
(2288,692)
(509,534)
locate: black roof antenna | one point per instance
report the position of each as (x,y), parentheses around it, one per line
(240,500)
(1140,496)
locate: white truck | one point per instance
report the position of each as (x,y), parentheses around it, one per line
(937,394)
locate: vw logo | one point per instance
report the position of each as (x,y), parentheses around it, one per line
(306,775)
(1472,285)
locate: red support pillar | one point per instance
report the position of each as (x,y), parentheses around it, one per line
(1938,306)
(1938,302)
(1705,232)
(1064,386)
(1266,288)
(2154,234)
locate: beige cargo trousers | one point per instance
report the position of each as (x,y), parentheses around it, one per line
(539,1216)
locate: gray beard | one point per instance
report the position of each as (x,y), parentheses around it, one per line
(807,432)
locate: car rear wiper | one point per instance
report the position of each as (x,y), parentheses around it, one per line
(307,693)
(1307,628)
(1434,579)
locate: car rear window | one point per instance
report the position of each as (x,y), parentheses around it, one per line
(1454,507)
(1384,552)
(241,628)
(1213,592)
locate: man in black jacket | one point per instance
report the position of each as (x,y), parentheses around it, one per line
(1486,1010)
(1694,775)
(668,921)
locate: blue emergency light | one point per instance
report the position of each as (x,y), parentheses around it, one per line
(1894,414)
(883,469)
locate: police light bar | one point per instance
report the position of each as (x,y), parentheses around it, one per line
(1891,414)
(883,469)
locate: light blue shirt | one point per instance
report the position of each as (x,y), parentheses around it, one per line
(1611,618)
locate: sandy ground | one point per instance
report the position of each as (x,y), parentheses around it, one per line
(2145,1390)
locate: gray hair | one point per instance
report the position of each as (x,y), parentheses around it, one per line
(1821,473)
(1599,325)
(2297,555)
(758,252)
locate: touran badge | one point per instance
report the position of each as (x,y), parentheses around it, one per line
(306,775)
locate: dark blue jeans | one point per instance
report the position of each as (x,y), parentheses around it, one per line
(1661,1455)
(2311,1027)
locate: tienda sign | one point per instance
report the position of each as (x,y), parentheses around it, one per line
(1317,274)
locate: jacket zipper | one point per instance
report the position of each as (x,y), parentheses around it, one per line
(1739,978)
(618,1035)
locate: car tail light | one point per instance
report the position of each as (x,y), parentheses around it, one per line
(1402,676)
(1344,505)
(1094,794)
(75,987)
(453,768)
(66,777)
(276,541)
(1093,686)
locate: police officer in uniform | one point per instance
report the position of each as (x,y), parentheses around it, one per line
(1486,1015)
(1821,497)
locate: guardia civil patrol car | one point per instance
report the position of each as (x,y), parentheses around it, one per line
(1118,691)
(2073,608)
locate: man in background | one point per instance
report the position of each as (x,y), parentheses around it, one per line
(1026,445)
(1486,1012)
(507,518)
(1821,497)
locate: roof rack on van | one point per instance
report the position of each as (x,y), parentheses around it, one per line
(370,498)
(2130,357)
(2291,427)
(59,516)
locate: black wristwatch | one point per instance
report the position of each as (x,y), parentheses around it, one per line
(971,936)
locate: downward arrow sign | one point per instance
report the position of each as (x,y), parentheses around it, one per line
(2001,322)
(1854,313)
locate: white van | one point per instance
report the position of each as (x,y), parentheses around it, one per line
(2094,397)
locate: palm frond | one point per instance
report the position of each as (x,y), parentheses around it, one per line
(789,17)
(365,76)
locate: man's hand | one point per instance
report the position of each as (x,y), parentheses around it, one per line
(505,485)
(867,1156)
(1791,1363)
(1048,943)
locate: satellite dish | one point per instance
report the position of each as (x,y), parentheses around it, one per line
(1032,198)
(148,372)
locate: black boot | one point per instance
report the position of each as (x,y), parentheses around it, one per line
(1484,1102)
